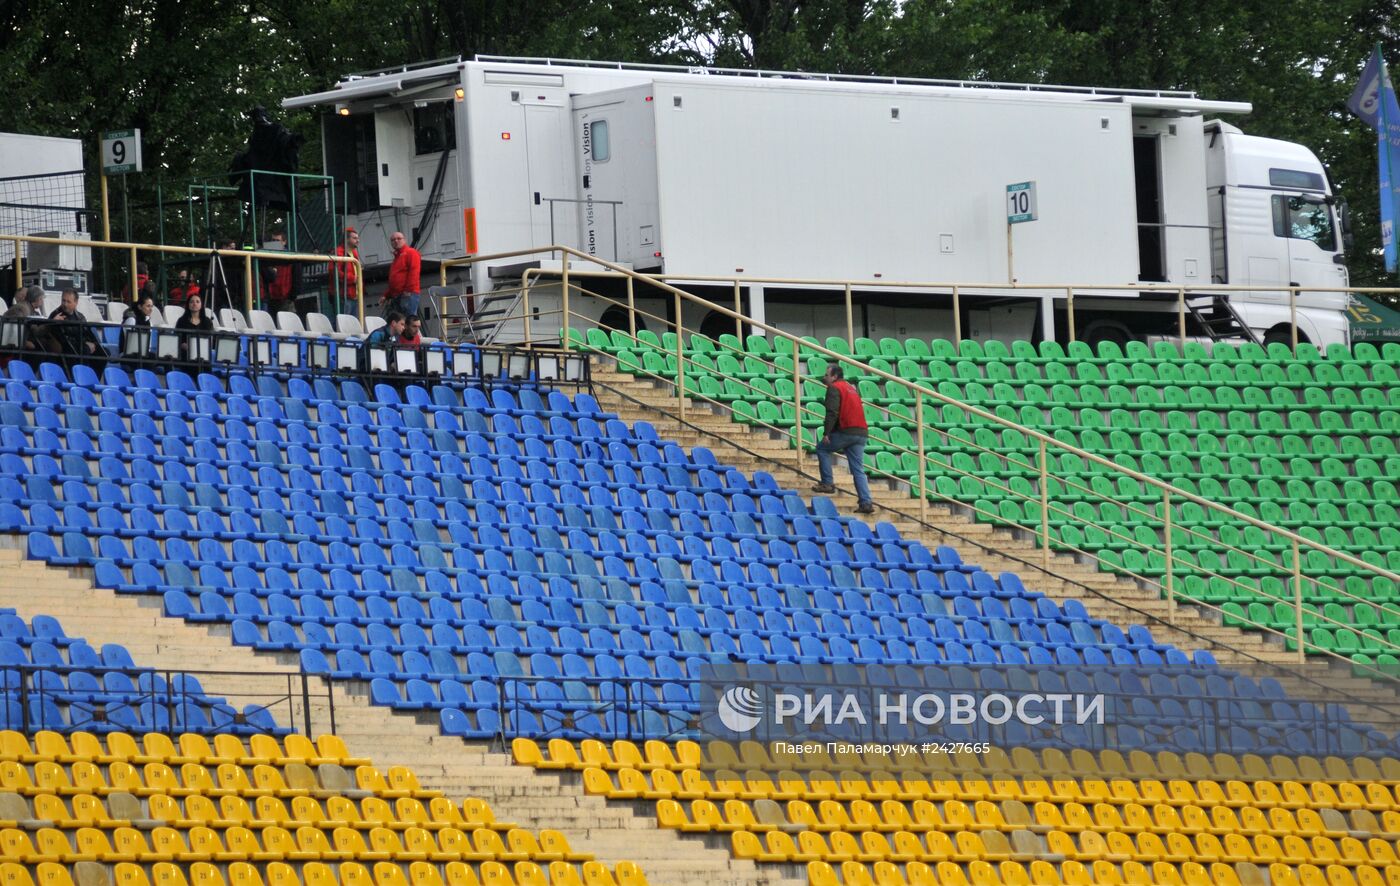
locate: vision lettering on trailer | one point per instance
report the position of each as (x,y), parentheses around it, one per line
(588,211)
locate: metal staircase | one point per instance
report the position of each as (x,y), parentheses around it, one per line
(1217,317)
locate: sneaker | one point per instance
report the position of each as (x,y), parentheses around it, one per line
(865,507)
(824,488)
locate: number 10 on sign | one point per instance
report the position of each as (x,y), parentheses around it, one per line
(1020,203)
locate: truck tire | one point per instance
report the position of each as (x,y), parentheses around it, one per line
(1106,330)
(1283,334)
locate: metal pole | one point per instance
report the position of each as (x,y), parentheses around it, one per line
(1181,316)
(564,275)
(631,310)
(1293,316)
(360,290)
(850,321)
(738,315)
(19,265)
(1069,310)
(248,286)
(957,316)
(525,297)
(680,358)
(106,213)
(1010,277)
(135,293)
(1044,508)
(923,455)
(1167,524)
(797,397)
(1298,601)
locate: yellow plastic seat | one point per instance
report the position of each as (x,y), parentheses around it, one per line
(332,747)
(279,873)
(127,874)
(314,874)
(205,874)
(352,873)
(423,874)
(389,874)
(457,874)
(14,874)
(241,873)
(526,752)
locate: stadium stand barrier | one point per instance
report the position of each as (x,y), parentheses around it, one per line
(985,459)
(247,258)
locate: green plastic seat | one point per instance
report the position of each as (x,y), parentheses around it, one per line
(599,340)
(839,345)
(759,345)
(867,348)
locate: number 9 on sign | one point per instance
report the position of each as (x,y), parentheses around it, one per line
(121,151)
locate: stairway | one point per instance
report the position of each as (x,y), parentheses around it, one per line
(1112,598)
(519,794)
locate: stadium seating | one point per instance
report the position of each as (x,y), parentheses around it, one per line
(1019,818)
(65,684)
(521,564)
(1307,443)
(178,810)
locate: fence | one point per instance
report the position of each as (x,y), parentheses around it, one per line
(127,699)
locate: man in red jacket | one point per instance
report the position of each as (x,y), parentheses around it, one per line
(403,291)
(845,431)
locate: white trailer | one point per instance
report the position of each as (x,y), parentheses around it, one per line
(716,173)
(41,192)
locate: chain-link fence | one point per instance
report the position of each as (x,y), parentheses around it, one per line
(33,204)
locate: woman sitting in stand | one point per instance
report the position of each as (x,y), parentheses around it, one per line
(195,320)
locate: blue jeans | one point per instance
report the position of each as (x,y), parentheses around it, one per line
(406,304)
(854,447)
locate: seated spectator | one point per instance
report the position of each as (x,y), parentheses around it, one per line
(27,305)
(388,334)
(28,302)
(179,291)
(411,337)
(139,314)
(143,278)
(194,346)
(69,333)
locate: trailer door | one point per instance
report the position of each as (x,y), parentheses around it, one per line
(601,181)
(550,191)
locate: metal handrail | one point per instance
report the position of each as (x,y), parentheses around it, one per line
(1171,494)
(247,256)
(992,290)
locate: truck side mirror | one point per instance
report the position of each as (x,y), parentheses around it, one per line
(1344,217)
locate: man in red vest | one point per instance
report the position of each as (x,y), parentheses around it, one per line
(402,293)
(845,431)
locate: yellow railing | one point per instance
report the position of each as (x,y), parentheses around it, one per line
(934,454)
(133,250)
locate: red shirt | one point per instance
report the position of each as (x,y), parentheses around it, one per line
(346,271)
(415,342)
(403,273)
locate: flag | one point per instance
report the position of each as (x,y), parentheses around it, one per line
(1374,101)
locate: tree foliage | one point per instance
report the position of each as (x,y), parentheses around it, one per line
(186,73)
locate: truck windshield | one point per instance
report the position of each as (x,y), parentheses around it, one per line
(1302,219)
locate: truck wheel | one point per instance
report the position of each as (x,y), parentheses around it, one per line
(1106,330)
(1283,334)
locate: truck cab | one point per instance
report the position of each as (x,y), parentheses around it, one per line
(1275,222)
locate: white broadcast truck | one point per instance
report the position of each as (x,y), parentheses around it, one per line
(698,173)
